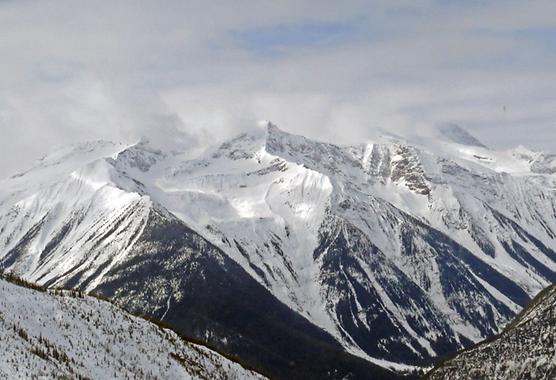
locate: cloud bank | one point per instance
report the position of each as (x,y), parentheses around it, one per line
(335,71)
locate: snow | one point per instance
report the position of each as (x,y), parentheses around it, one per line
(49,336)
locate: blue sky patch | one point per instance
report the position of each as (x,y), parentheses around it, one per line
(545,36)
(277,39)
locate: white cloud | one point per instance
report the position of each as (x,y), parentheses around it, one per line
(72,71)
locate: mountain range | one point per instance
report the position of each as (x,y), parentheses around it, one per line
(301,258)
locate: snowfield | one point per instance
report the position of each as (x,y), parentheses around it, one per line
(43,335)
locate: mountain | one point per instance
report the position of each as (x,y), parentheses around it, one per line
(271,244)
(42,335)
(86,223)
(526,349)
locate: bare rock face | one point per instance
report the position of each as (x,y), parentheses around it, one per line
(407,169)
(525,350)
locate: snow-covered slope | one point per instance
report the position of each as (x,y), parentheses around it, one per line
(43,335)
(401,250)
(525,350)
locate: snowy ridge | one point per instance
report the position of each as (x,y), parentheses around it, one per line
(84,211)
(402,250)
(42,335)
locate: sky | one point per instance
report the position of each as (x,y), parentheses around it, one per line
(337,71)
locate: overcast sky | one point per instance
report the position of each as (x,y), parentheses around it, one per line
(335,70)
